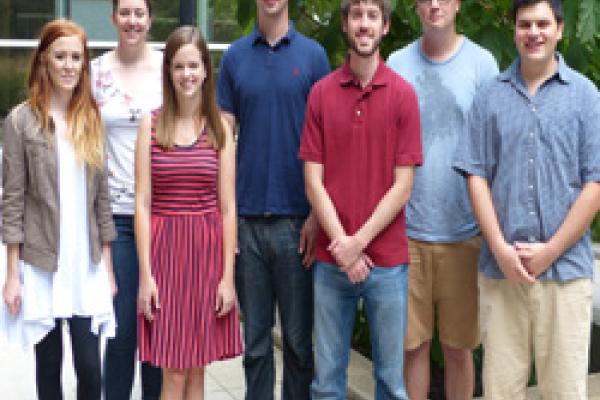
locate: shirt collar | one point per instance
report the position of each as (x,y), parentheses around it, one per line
(380,78)
(513,73)
(258,37)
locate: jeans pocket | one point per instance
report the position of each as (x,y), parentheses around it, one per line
(295,224)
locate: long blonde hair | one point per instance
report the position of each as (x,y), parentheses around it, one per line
(83,117)
(165,122)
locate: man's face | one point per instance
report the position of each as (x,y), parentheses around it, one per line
(537,33)
(437,14)
(365,28)
(271,8)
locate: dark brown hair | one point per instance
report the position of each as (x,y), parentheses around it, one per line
(384,5)
(555,5)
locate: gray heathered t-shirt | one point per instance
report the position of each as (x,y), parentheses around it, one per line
(439,209)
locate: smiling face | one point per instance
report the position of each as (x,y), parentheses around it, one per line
(187,71)
(65,60)
(132,20)
(537,33)
(365,27)
(437,15)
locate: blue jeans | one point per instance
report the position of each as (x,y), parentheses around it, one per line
(268,270)
(119,356)
(384,293)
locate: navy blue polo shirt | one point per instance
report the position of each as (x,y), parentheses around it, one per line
(266,88)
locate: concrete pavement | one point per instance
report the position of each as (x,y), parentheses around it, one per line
(224,380)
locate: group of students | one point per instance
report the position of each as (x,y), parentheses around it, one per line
(70,196)
(125,208)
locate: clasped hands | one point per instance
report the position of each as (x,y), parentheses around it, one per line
(348,254)
(524,262)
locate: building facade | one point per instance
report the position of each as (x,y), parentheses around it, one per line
(22,20)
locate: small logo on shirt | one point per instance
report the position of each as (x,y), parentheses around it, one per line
(296,72)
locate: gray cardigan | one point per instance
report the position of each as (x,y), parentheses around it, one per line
(31,195)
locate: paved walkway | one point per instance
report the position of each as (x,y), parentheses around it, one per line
(224,380)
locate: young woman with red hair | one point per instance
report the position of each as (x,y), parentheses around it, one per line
(57,222)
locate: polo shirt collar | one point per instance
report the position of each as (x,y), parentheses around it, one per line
(258,37)
(513,73)
(380,78)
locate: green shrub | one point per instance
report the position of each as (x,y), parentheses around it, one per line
(596,229)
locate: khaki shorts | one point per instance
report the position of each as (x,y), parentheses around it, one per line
(442,282)
(547,322)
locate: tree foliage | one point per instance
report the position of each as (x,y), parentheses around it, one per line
(487,22)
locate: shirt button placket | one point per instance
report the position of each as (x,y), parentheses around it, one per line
(358,109)
(530,183)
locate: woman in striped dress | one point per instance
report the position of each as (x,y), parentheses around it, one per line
(185,224)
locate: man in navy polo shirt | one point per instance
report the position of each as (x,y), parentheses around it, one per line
(263,85)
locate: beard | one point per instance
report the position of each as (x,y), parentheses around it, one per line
(365,53)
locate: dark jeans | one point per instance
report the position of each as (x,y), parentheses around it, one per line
(120,353)
(269,269)
(86,359)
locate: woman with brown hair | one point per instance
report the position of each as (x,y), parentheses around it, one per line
(126,82)
(57,221)
(185,223)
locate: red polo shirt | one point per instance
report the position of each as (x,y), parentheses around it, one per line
(360,135)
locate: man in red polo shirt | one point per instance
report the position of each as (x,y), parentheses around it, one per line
(361,143)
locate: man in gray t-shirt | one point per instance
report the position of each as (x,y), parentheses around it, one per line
(445,69)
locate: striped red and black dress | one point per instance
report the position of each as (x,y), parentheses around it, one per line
(186,254)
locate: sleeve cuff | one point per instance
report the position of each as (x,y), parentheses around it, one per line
(409,160)
(467,169)
(310,156)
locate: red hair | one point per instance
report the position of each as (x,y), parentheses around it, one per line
(83,116)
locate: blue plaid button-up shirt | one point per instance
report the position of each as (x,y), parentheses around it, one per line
(536,153)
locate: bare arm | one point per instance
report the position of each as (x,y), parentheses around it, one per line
(148,295)
(348,248)
(230,118)
(227,205)
(12,285)
(505,254)
(324,210)
(538,257)
(308,236)
(322,205)
(389,206)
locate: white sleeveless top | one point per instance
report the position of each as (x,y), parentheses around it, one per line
(78,287)
(121,115)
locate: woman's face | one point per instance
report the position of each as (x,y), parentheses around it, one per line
(132,21)
(65,60)
(187,71)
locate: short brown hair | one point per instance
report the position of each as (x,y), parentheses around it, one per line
(148,6)
(384,5)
